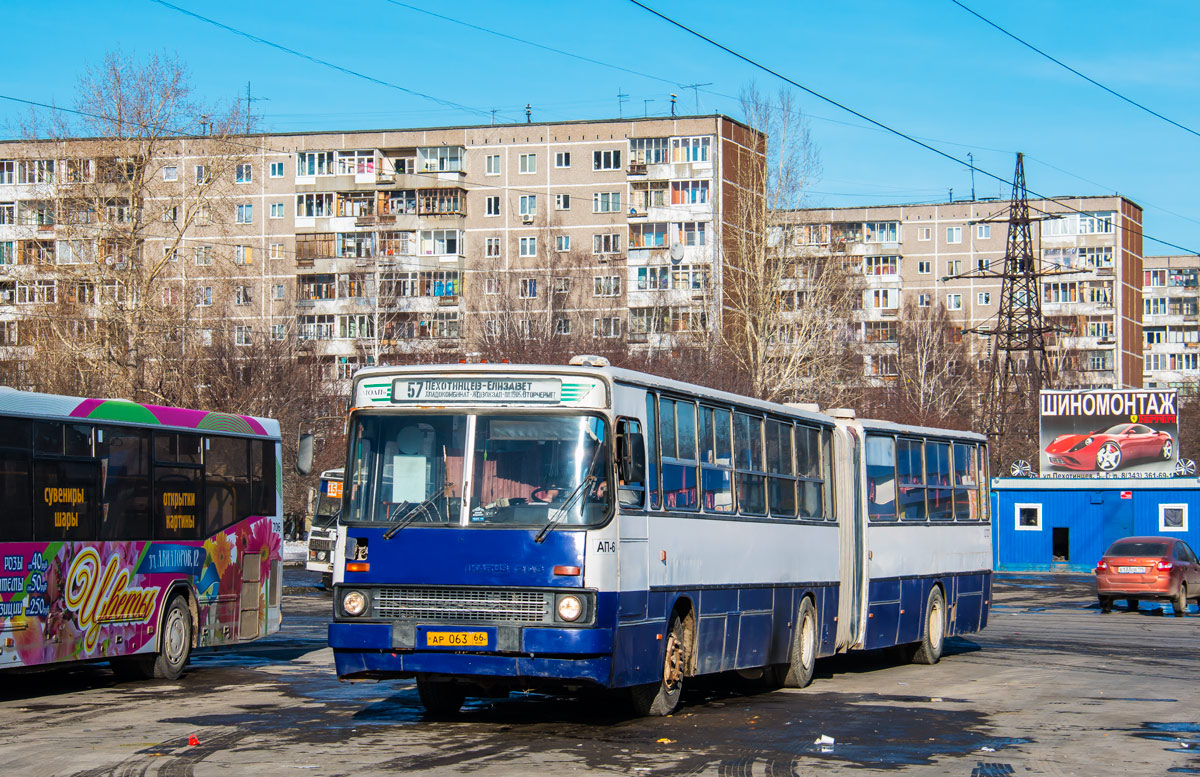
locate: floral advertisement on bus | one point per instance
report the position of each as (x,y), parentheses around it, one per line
(68,601)
(1109,434)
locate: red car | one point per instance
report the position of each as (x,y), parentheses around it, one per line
(1109,449)
(1148,568)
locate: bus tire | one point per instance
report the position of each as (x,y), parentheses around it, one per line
(934,641)
(802,658)
(175,647)
(661,698)
(440,699)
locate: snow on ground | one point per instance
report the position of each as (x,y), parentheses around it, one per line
(295,550)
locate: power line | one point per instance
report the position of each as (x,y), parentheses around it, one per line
(881,125)
(322,62)
(1065,66)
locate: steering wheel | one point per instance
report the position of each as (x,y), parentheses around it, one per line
(540,494)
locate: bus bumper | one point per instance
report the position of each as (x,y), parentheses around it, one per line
(378,650)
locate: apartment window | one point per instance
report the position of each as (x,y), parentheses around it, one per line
(606,202)
(1096,223)
(608,326)
(1098,361)
(245,214)
(562,242)
(528,246)
(276,250)
(442,159)
(1060,292)
(689,192)
(1155,278)
(606,286)
(953,234)
(6,252)
(881,265)
(924,267)
(440,242)
(528,204)
(528,163)
(314,205)
(316,327)
(8,213)
(983,298)
(562,326)
(278,331)
(278,291)
(241,295)
(653,278)
(883,299)
(881,232)
(649,151)
(491,206)
(492,164)
(924,300)
(690,149)
(276,170)
(528,288)
(606,160)
(1155,335)
(492,248)
(954,301)
(203,175)
(491,286)
(242,174)
(241,335)
(562,285)
(170,173)
(276,210)
(983,231)
(562,159)
(356,162)
(243,255)
(924,233)
(606,244)
(203,256)
(562,202)
(491,328)
(690,233)
(206,297)
(354,326)
(954,267)
(1156,361)
(35,171)
(314,163)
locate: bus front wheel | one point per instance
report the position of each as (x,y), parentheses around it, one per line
(929,650)
(661,698)
(175,648)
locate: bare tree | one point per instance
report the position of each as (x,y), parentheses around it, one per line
(787,310)
(936,381)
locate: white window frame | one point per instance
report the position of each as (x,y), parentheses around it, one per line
(276,170)
(924,299)
(954,302)
(562,243)
(983,231)
(243,173)
(527,247)
(277,210)
(983,298)
(1162,518)
(527,164)
(562,202)
(491,285)
(562,159)
(492,164)
(491,205)
(924,234)
(492,248)
(527,205)
(953,235)
(924,267)
(1017,507)
(244,213)
(171,173)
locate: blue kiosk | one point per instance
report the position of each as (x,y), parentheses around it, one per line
(1043,524)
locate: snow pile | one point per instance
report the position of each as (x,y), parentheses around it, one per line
(295,550)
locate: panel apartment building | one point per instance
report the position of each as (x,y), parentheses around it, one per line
(371,244)
(1170,322)
(943,253)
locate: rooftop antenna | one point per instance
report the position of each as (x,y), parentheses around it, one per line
(672,103)
(646,107)
(622,98)
(249,102)
(493,115)
(528,113)
(205,123)
(971,162)
(696,93)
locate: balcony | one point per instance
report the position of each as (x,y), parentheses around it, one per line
(446,302)
(369,220)
(638,337)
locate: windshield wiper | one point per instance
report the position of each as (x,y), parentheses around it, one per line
(411,514)
(556,518)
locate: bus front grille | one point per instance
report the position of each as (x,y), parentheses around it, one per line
(483,605)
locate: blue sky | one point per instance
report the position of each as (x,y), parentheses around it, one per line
(927,68)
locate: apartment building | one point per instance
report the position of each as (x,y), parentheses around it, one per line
(951,253)
(1170,322)
(369,245)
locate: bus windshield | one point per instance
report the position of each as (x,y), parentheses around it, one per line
(526,469)
(327,510)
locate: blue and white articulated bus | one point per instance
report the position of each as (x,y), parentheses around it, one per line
(566,527)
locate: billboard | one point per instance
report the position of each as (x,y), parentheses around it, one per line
(1114,434)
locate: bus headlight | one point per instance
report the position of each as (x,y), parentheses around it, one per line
(354,603)
(570,608)
(320,555)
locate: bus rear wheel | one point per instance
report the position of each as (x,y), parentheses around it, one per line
(661,698)
(175,648)
(803,655)
(440,699)
(929,651)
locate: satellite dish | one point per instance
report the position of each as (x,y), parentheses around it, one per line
(1021,469)
(676,252)
(1185,468)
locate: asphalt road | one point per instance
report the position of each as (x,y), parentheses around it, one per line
(1052,687)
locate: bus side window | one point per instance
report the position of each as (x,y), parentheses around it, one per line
(881,477)
(16,519)
(66,499)
(262,477)
(630,493)
(652,452)
(226,482)
(125,493)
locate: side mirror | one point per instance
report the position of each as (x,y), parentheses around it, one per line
(304,454)
(632,465)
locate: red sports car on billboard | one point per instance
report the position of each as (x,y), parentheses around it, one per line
(1110,449)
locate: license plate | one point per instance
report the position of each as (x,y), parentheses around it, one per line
(456,639)
(1131,570)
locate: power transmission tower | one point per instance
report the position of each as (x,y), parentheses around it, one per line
(1019,367)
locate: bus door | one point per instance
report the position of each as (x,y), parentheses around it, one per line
(852,591)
